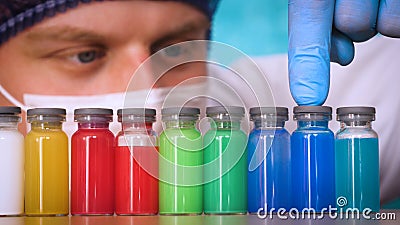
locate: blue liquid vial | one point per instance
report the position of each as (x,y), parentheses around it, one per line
(357,159)
(269,173)
(313,159)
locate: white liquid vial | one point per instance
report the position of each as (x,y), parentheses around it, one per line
(11,162)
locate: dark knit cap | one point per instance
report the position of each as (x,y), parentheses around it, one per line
(17,15)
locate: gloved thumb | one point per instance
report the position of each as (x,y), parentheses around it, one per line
(342,48)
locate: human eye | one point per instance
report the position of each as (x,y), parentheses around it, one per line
(80,59)
(170,50)
(178,53)
(174,54)
(173,51)
(78,56)
(87,56)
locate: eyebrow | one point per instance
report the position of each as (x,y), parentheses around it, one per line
(64,33)
(75,34)
(181,30)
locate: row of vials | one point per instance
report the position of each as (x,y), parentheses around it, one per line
(181,171)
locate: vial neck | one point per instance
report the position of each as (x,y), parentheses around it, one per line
(93,125)
(355,124)
(181,124)
(46,125)
(318,124)
(232,125)
(9,126)
(137,126)
(269,124)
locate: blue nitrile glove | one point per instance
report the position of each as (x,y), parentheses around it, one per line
(321,31)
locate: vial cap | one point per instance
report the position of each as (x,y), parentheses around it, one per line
(356,110)
(279,111)
(88,115)
(225,113)
(136,111)
(270,113)
(312,113)
(46,114)
(356,113)
(10,114)
(136,115)
(313,109)
(46,111)
(232,110)
(10,110)
(180,113)
(93,111)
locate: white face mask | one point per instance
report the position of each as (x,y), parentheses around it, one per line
(155,98)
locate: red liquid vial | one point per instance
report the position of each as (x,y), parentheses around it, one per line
(136,163)
(92,163)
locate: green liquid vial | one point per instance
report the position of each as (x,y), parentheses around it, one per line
(357,160)
(180,162)
(225,162)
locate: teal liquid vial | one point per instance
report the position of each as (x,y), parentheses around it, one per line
(357,160)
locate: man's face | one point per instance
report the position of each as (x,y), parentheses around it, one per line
(96,48)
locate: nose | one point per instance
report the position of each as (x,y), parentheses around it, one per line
(125,69)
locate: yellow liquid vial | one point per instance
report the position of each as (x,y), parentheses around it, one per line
(46,171)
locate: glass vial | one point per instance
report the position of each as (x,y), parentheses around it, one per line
(269,175)
(225,162)
(92,163)
(46,163)
(180,164)
(313,159)
(11,162)
(136,163)
(357,159)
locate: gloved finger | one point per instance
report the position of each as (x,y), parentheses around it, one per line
(356,18)
(310,26)
(342,48)
(389,18)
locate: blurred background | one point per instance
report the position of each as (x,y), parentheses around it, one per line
(257,27)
